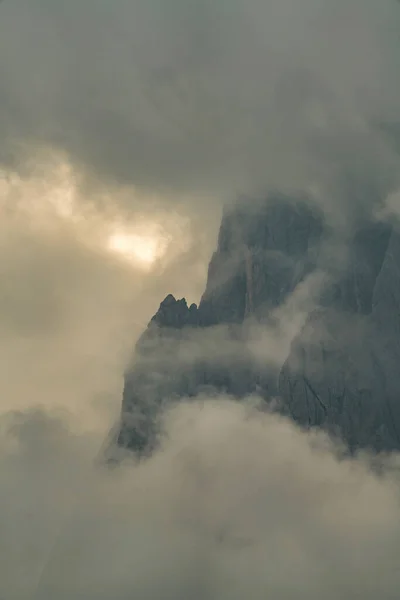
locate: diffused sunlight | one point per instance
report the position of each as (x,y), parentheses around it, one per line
(135,248)
(50,198)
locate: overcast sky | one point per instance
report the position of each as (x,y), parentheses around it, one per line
(125,126)
(193,97)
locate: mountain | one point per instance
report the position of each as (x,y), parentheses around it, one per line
(303,314)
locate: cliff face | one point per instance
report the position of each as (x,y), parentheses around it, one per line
(262,255)
(341,372)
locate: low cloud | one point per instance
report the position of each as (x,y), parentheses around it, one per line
(147,116)
(71,308)
(233,503)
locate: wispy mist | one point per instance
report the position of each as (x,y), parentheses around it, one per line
(150,115)
(233,504)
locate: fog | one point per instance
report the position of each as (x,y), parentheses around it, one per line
(233,501)
(232,504)
(125,127)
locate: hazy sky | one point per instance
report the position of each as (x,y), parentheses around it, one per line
(125,125)
(199,98)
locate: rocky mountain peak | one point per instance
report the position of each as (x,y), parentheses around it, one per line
(342,370)
(175,313)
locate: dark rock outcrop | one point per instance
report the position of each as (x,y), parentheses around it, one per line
(342,372)
(262,255)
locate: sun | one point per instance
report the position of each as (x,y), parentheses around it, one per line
(143,250)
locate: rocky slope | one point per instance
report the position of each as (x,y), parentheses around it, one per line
(341,368)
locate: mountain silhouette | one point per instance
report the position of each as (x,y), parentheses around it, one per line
(302,314)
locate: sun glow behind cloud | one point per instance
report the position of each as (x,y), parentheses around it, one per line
(142,249)
(51,199)
(133,247)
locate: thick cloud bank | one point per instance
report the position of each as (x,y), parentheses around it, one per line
(233,505)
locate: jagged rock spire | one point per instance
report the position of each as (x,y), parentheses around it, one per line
(342,370)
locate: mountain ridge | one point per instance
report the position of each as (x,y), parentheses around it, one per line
(340,369)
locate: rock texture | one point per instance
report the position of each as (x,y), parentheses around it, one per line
(342,371)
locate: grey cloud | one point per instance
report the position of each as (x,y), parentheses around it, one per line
(233,504)
(209,98)
(70,314)
(187,100)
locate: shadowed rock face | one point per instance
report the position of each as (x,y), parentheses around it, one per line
(342,371)
(262,255)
